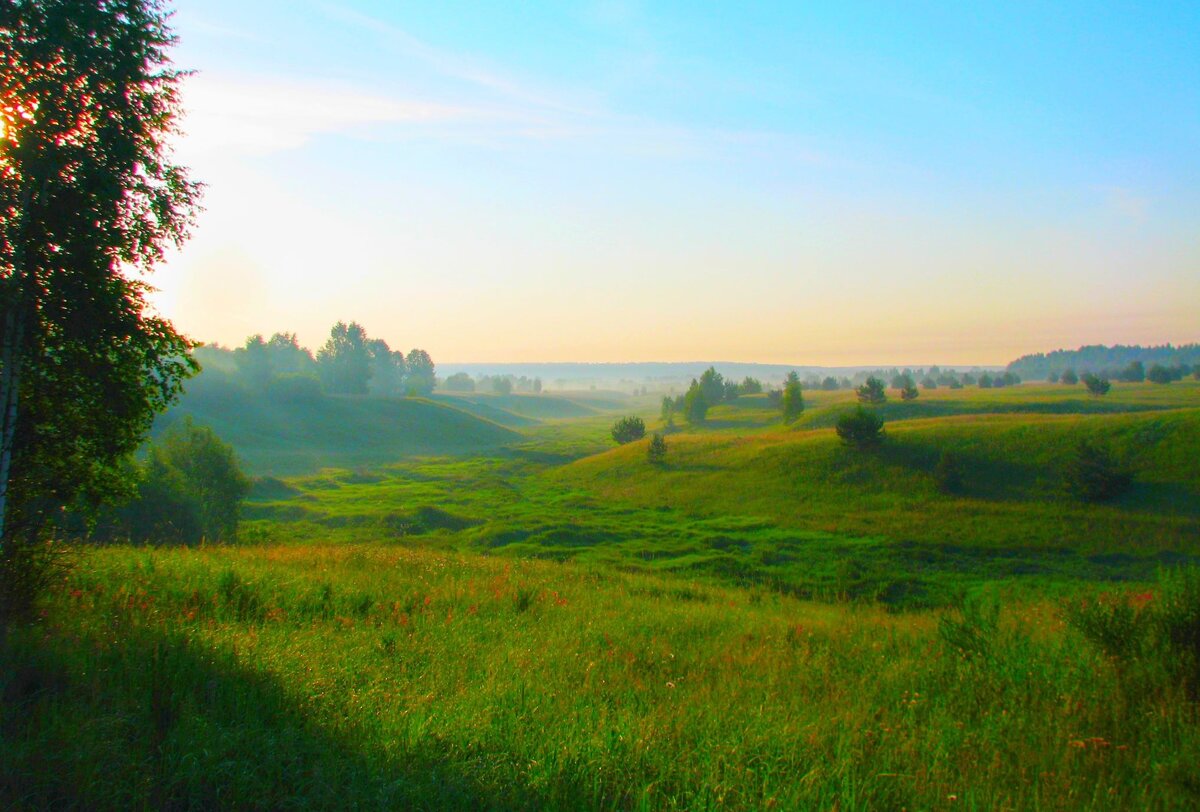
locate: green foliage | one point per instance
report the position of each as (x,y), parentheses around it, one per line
(656,452)
(1134,373)
(695,404)
(973,631)
(1159,374)
(909,392)
(190,489)
(872,391)
(345,360)
(502,385)
(459,382)
(860,428)
(1096,385)
(948,473)
(296,387)
(89,192)
(388,369)
(1069,377)
(1158,629)
(793,398)
(628,429)
(750,386)
(1094,475)
(712,386)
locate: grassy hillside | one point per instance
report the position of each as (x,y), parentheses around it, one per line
(383,677)
(1012,492)
(284,436)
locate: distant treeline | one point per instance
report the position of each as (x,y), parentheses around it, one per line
(497,384)
(349,363)
(1120,361)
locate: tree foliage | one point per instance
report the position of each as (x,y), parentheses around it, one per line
(628,429)
(793,397)
(189,489)
(1094,475)
(1096,385)
(89,196)
(872,391)
(345,360)
(861,428)
(656,451)
(695,404)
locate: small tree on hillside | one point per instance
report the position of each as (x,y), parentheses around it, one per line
(1134,373)
(1069,377)
(1094,475)
(712,384)
(948,473)
(695,405)
(1159,374)
(793,397)
(872,391)
(656,452)
(420,375)
(909,391)
(1096,386)
(860,428)
(628,429)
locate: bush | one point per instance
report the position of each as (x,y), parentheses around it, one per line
(909,392)
(656,452)
(948,474)
(190,489)
(295,386)
(1160,628)
(1096,386)
(872,391)
(1069,377)
(1159,374)
(1093,474)
(628,429)
(861,428)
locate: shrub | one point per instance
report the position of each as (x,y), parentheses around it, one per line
(695,404)
(1093,474)
(628,429)
(295,386)
(1160,628)
(793,398)
(1069,377)
(656,452)
(872,391)
(909,392)
(948,474)
(1096,385)
(190,489)
(1159,374)
(861,428)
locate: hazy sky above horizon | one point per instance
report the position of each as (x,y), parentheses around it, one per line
(810,183)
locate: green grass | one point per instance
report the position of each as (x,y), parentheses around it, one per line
(368,676)
(287,437)
(510,613)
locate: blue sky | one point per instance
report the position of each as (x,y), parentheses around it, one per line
(833,183)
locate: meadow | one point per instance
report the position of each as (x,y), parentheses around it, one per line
(767,619)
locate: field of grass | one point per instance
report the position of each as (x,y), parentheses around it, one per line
(536,619)
(386,677)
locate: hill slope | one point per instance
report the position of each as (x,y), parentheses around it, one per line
(281,436)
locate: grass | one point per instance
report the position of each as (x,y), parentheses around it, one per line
(392,677)
(524,617)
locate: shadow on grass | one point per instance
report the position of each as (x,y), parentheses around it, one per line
(150,720)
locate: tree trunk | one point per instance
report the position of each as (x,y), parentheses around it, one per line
(10,382)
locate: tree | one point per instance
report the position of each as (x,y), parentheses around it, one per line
(929,382)
(287,356)
(750,386)
(656,452)
(1160,374)
(872,391)
(502,385)
(459,382)
(1069,377)
(190,489)
(667,412)
(695,405)
(793,397)
(253,361)
(1134,373)
(948,473)
(628,429)
(345,360)
(1094,475)
(829,384)
(88,101)
(422,376)
(388,369)
(985,381)
(712,384)
(1096,386)
(909,392)
(860,428)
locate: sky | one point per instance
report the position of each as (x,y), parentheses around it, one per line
(811,183)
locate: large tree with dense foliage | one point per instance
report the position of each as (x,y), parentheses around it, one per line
(793,397)
(345,360)
(89,200)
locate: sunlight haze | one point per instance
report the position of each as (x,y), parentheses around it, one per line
(827,184)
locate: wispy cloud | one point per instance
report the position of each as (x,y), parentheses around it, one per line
(268,115)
